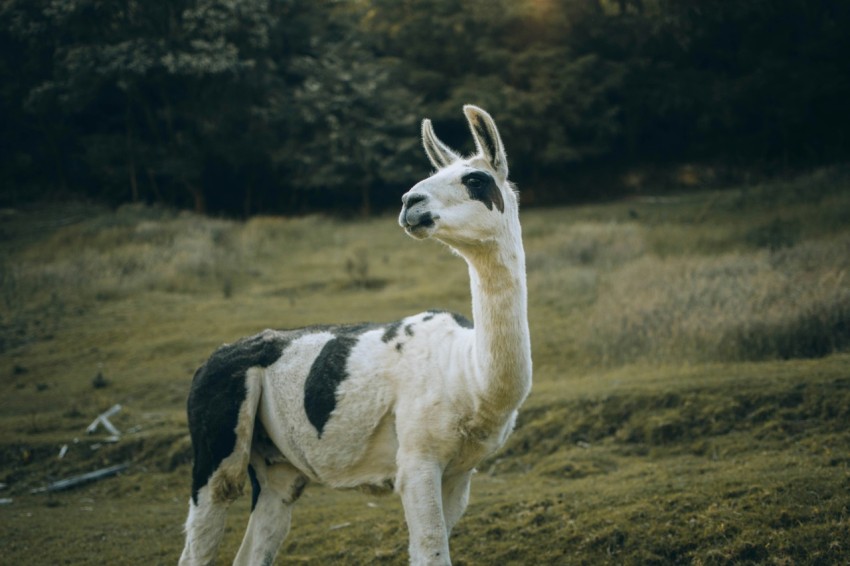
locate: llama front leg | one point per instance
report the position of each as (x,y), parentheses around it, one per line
(455,498)
(419,483)
(276,487)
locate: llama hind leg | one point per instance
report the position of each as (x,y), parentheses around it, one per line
(276,487)
(208,507)
(204,529)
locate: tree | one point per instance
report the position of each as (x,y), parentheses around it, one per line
(357,127)
(154,92)
(294,105)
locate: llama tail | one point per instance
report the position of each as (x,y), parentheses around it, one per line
(228,481)
(222,414)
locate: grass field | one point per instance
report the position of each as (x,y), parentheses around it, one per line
(691,402)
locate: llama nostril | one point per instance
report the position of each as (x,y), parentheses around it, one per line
(410,199)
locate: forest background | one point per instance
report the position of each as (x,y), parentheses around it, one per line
(293,106)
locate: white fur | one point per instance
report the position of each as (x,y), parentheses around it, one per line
(420,410)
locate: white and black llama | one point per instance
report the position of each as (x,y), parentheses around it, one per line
(412,405)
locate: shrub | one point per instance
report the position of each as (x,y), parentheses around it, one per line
(788,303)
(109,256)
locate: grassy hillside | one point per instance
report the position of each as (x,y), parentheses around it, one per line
(691,401)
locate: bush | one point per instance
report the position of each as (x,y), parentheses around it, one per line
(109,256)
(789,303)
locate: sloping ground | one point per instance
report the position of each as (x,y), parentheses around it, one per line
(719,465)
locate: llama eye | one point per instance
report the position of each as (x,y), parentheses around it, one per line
(473,183)
(477,180)
(482,187)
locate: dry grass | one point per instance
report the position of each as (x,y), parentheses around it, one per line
(727,292)
(741,306)
(702,278)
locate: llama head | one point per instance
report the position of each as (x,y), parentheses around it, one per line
(466,201)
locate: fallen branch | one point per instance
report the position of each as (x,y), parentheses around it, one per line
(74,481)
(103,419)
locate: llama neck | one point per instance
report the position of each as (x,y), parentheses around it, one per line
(502,345)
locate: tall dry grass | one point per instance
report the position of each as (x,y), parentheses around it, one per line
(128,252)
(739,306)
(110,256)
(752,273)
(97,256)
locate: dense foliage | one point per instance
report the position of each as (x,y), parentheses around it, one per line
(291,105)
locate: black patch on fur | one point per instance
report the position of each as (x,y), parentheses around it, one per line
(298,487)
(461,320)
(391,332)
(408,330)
(482,187)
(327,372)
(216,395)
(255,487)
(354,329)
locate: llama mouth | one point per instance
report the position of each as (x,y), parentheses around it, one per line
(421,230)
(427,222)
(418,224)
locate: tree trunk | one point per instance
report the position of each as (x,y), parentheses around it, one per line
(131,160)
(365,200)
(198,196)
(247,201)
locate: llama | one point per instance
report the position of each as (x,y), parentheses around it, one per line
(411,406)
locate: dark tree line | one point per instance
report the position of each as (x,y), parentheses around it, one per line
(244,106)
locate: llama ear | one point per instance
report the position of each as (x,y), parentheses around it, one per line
(487,139)
(438,153)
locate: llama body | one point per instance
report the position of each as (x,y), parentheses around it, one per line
(412,405)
